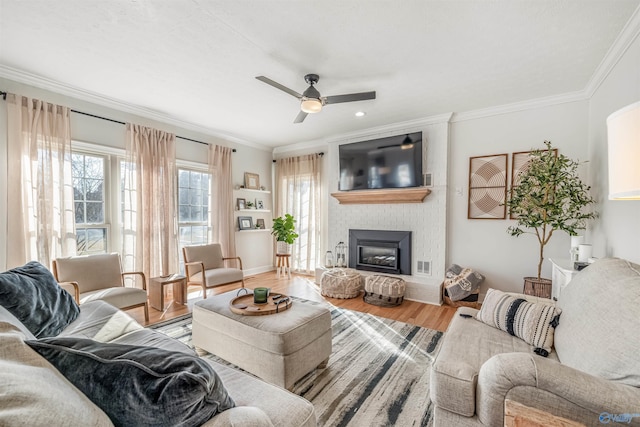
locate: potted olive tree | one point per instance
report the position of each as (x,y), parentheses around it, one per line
(548,196)
(284,230)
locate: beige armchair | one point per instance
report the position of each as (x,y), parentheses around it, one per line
(205,266)
(100,277)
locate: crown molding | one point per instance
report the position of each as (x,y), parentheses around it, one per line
(520,106)
(24,77)
(365,133)
(627,36)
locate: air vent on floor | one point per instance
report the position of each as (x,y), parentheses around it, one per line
(424,267)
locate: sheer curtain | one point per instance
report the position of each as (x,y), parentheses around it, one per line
(221,211)
(298,192)
(40,217)
(150,225)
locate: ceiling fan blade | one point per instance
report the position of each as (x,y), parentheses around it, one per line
(363,96)
(300,117)
(277,85)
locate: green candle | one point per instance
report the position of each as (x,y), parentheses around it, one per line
(260,295)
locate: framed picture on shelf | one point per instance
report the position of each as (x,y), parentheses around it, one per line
(245,222)
(251,181)
(241,204)
(260,223)
(259,204)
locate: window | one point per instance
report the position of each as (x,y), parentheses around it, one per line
(92,229)
(193,209)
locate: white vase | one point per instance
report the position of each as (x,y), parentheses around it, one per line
(283,247)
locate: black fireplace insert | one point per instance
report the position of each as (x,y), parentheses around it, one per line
(381,251)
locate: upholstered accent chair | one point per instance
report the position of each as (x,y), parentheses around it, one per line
(100,277)
(205,266)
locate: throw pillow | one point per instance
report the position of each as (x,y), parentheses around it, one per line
(534,323)
(136,385)
(33,296)
(460,282)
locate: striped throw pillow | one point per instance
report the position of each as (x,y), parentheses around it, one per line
(534,323)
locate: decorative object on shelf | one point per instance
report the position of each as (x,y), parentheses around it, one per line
(241,204)
(250,204)
(260,295)
(576,241)
(585,250)
(487,187)
(546,196)
(260,223)
(284,230)
(263,188)
(245,222)
(259,204)
(328,260)
(623,137)
(341,255)
(236,187)
(251,181)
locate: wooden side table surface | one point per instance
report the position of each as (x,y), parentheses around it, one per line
(156,290)
(519,415)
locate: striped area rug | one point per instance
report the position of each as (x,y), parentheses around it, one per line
(378,372)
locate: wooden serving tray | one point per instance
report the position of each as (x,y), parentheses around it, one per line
(244,305)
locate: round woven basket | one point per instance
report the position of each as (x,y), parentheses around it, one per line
(537,287)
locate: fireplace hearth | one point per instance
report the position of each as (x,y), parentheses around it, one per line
(381,251)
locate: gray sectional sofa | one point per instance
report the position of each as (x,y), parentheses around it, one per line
(592,374)
(33,392)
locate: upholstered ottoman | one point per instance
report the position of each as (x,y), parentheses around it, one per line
(341,283)
(385,291)
(280,348)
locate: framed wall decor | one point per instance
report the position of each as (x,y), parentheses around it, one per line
(241,204)
(487,187)
(260,223)
(519,165)
(259,204)
(251,181)
(245,222)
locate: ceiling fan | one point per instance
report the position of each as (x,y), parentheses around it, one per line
(311,101)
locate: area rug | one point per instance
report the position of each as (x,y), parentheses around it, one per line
(378,372)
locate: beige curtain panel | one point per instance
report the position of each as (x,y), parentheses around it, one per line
(41,223)
(150,233)
(298,192)
(221,203)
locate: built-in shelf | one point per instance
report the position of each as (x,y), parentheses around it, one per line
(382,196)
(254,191)
(253,210)
(253,230)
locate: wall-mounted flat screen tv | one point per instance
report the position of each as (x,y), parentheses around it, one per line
(392,162)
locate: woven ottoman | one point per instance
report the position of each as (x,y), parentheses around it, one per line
(385,291)
(341,283)
(280,348)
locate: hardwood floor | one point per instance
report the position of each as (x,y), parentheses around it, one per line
(425,315)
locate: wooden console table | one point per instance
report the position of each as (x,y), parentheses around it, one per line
(156,290)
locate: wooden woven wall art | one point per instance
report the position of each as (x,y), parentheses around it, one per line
(487,187)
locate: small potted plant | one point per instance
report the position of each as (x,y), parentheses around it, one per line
(284,230)
(548,196)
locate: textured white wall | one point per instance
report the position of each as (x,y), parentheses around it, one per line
(484,244)
(426,221)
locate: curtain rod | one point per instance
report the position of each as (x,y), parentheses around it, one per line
(319,154)
(4,97)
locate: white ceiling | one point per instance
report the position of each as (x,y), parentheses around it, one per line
(195,61)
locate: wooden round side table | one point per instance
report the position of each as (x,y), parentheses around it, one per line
(282,264)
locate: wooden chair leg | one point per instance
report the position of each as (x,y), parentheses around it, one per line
(146,311)
(204,291)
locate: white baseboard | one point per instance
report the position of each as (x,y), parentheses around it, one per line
(258,270)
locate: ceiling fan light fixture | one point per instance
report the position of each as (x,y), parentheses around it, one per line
(311,105)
